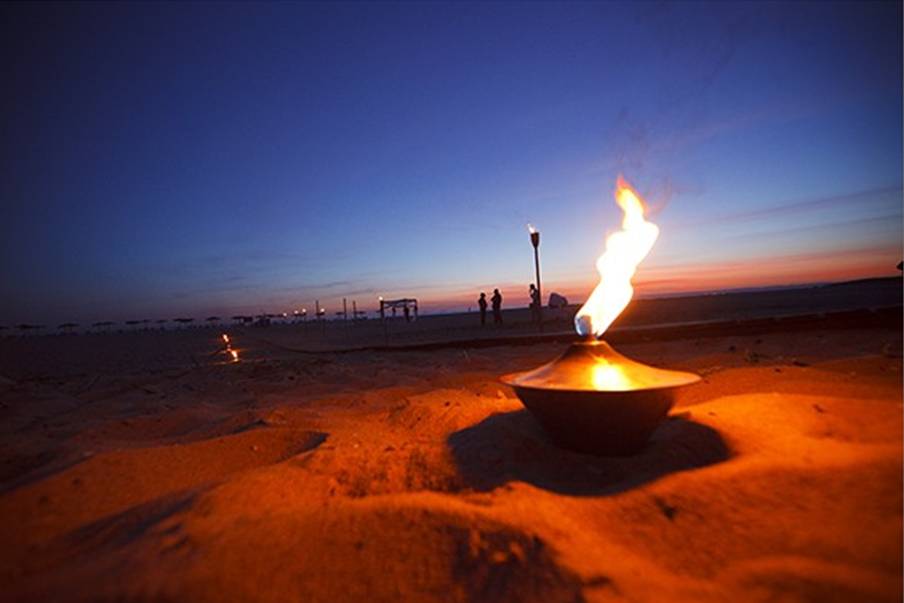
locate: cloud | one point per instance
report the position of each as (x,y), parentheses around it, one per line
(877,198)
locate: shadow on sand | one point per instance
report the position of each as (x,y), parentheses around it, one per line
(513,447)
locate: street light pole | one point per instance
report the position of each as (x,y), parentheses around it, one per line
(535,241)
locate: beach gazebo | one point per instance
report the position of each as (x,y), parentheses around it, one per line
(406,304)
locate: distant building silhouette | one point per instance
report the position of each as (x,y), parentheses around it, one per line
(557,301)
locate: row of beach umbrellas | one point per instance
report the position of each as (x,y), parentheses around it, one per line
(106,324)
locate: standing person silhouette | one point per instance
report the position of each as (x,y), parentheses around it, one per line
(497,306)
(482,303)
(534,303)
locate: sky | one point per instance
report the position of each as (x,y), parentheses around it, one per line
(169,159)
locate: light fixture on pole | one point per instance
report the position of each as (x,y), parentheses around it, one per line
(535,241)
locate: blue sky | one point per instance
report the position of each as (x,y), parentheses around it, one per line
(168,159)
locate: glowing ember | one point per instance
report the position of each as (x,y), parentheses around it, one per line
(235,355)
(625,249)
(225,338)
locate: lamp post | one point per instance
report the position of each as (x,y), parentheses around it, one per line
(535,241)
(383,321)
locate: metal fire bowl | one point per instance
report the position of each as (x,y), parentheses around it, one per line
(594,400)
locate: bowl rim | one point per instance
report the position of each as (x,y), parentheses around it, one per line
(686,378)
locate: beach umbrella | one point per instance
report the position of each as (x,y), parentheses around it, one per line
(183,321)
(67,326)
(212,319)
(28,327)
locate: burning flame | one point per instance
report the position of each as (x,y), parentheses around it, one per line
(625,249)
(530,228)
(608,377)
(227,344)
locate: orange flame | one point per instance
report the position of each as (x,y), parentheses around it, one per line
(625,249)
(235,355)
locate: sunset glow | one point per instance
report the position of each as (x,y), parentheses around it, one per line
(769,159)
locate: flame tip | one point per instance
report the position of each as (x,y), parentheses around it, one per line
(625,249)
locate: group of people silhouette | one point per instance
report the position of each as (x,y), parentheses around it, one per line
(496,303)
(496,300)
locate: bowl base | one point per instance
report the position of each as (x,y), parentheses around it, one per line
(617,426)
(594,400)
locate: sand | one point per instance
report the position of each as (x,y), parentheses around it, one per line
(415,475)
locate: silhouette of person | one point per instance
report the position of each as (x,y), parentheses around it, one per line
(407,314)
(482,303)
(534,302)
(497,306)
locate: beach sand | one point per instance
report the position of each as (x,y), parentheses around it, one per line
(414,475)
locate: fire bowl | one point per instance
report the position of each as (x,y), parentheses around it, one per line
(594,400)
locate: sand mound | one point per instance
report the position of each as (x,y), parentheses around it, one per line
(416,476)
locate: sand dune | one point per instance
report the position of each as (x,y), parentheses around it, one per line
(416,476)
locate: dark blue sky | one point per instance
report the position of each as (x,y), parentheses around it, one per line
(165,159)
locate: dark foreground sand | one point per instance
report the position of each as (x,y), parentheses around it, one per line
(387,476)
